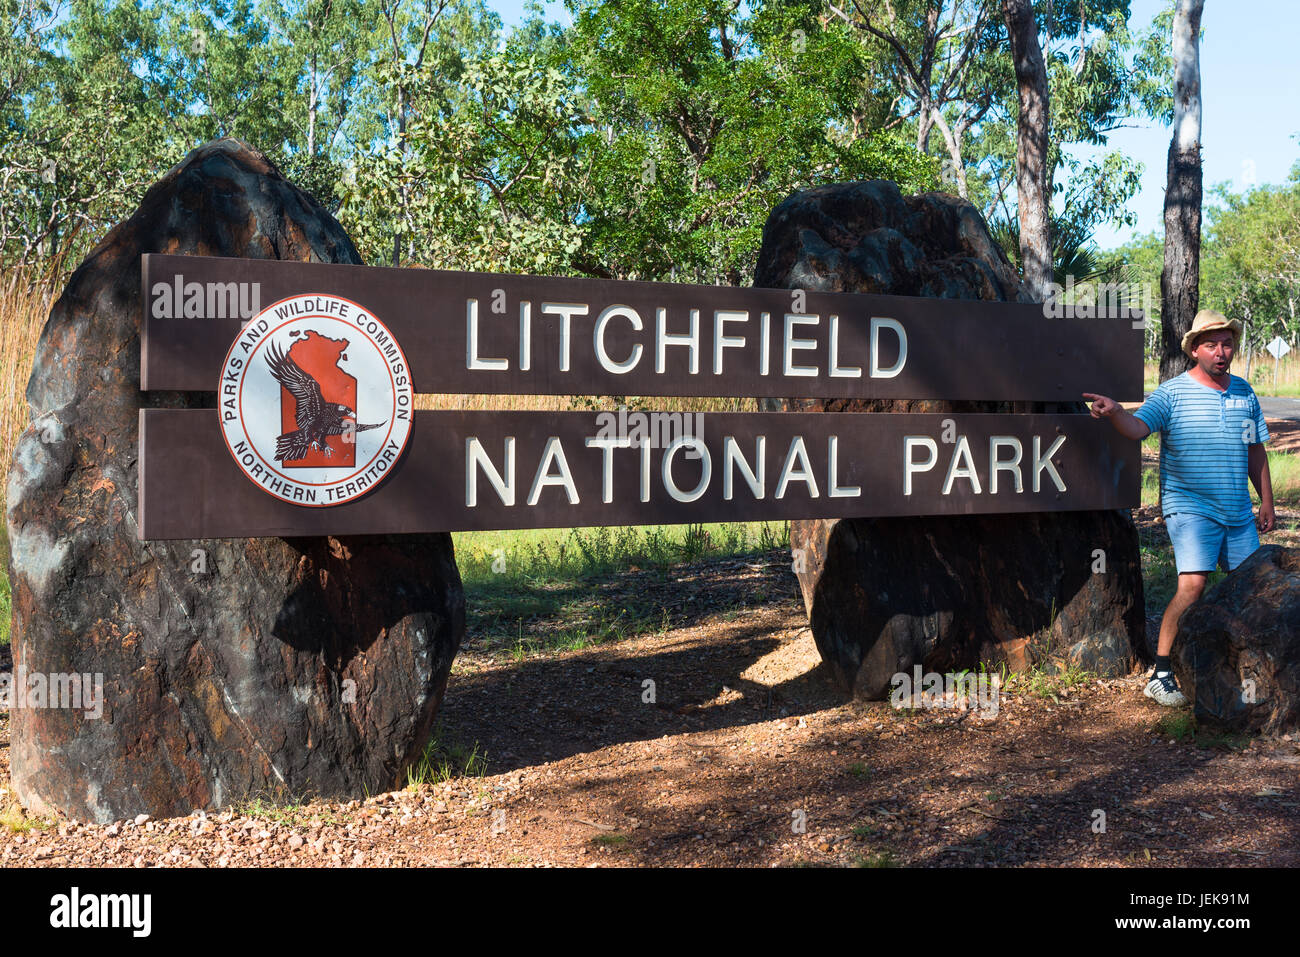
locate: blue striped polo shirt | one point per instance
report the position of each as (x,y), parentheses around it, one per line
(1205,437)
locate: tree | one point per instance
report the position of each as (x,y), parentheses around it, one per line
(1180,280)
(1033,203)
(488,170)
(328,46)
(1250,260)
(1137,265)
(936,52)
(701,117)
(420,56)
(1100,73)
(79,137)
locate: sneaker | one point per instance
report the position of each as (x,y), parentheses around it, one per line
(1163,689)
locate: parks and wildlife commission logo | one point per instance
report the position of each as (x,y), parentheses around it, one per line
(316,400)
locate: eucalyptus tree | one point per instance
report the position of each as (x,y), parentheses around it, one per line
(702,116)
(1180,280)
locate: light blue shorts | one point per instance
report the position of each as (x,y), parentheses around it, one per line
(1201,543)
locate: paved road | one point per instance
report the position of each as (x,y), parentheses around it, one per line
(1276,407)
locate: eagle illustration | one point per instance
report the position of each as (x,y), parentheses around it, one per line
(315,417)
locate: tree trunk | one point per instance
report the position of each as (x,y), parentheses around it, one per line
(923,125)
(1031,146)
(313,98)
(1180,279)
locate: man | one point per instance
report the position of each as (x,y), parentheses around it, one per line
(1212,436)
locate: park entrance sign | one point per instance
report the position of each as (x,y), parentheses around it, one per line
(316,367)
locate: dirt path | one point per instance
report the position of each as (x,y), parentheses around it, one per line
(746,757)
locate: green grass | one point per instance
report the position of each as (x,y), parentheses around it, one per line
(533,591)
(16,821)
(291,813)
(1177,725)
(1284,472)
(573,554)
(609,840)
(1181,726)
(444,759)
(880,859)
(1049,679)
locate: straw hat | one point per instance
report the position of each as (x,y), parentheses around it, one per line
(1207,320)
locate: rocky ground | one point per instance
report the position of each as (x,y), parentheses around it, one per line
(746,757)
(739,753)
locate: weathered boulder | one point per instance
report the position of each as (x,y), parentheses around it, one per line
(230,669)
(1237,652)
(886,594)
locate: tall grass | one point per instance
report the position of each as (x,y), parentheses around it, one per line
(1261,376)
(24,305)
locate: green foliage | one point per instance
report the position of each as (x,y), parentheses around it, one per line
(444,759)
(485,173)
(702,117)
(1102,72)
(78,137)
(1250,265)
(880,859)
(1251,260)
(650,139)
(1176,725)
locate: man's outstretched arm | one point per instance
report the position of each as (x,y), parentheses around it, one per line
(1127,424)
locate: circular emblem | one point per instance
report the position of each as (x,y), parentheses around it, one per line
(316,400)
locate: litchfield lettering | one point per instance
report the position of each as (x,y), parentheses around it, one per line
(179,299)
(797,335)
(486,333)
(75,909)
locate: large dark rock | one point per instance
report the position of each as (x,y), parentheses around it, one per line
(1237,652)
(231,669)
(886,594)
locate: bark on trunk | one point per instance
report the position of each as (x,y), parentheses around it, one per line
(1180,278)
(1031,146)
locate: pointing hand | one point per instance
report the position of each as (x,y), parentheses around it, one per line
(1102,406)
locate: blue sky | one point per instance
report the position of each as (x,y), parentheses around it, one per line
(1250,87)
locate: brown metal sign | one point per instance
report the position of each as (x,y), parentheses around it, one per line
(534,335)
(496,470)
